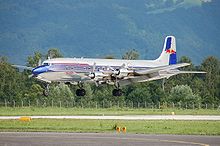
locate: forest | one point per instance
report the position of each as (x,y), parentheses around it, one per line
(15,84)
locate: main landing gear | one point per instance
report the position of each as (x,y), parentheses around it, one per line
(80,91)
(117,91)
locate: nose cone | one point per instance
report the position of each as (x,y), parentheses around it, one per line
(40,69)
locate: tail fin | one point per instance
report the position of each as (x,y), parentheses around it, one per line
(168,55)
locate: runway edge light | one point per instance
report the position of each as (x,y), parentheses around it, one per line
(124,129)
(118,129)
(26,119)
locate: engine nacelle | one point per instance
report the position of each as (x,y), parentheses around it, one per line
(97,75)
(120,73)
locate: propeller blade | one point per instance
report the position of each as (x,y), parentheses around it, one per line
(30,76)
(93,67)
(39,62)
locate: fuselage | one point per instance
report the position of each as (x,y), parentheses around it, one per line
(68,69)
(87,64)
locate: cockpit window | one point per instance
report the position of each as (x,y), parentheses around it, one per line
(46,64)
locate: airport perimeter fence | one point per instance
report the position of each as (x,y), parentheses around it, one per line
(106,104)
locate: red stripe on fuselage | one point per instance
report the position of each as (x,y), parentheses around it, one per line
(78,64)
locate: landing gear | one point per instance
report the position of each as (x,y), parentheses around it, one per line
(46,91)
(80,91)
(117,92)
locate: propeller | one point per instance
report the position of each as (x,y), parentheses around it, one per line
(93,67)
(39,62)
(92,74)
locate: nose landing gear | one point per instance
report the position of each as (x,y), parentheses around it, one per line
(46,91)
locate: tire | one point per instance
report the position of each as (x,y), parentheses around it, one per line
(80,92)
(46,93)
(117,92)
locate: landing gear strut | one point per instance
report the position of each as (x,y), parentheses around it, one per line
(117,91)
(80,91)
(46,91)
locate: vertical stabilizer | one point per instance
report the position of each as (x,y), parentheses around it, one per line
(168,55)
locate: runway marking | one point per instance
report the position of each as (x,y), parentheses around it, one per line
(116,138)
(142,139)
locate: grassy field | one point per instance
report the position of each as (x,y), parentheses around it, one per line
(29,111)
(149,127)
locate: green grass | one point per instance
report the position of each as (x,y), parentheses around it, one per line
(28,111)
(147,127)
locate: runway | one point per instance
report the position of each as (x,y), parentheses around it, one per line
(103,139)
(126,117)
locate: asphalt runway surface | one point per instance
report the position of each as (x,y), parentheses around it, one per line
(103,139)
(126,117)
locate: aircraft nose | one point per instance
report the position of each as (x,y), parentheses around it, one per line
(39,70)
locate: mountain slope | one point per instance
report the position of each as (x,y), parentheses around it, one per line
(96,28)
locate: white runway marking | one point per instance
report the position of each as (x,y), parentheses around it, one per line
(126,117)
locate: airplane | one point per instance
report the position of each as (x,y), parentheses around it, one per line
(117,72)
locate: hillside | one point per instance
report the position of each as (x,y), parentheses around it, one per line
(96,28)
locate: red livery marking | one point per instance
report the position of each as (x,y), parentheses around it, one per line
(170,51)
(79,64)
(70,72)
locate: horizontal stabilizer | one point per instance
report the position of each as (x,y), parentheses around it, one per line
(156,69)
(190,72)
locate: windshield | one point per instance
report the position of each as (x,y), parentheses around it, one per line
(46,64)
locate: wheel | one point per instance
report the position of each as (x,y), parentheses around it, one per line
(117,92)
(83,92)
(46,93)
(114,92)
(80,92)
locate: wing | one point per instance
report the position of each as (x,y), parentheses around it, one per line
(156,73)
(22,67)
(157,69)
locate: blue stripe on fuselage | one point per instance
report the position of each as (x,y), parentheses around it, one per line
(82,68)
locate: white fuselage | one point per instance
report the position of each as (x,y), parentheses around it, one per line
(114,63)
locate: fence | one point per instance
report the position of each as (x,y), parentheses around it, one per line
(105,104)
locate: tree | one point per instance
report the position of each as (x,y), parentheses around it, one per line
(33,61)
(109,57)
(139,92)
(60,92)
(35,92)
(131,55)
(3,59)
(12,82)
(156,92)
(211,82)
(54,53)
(183,94)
